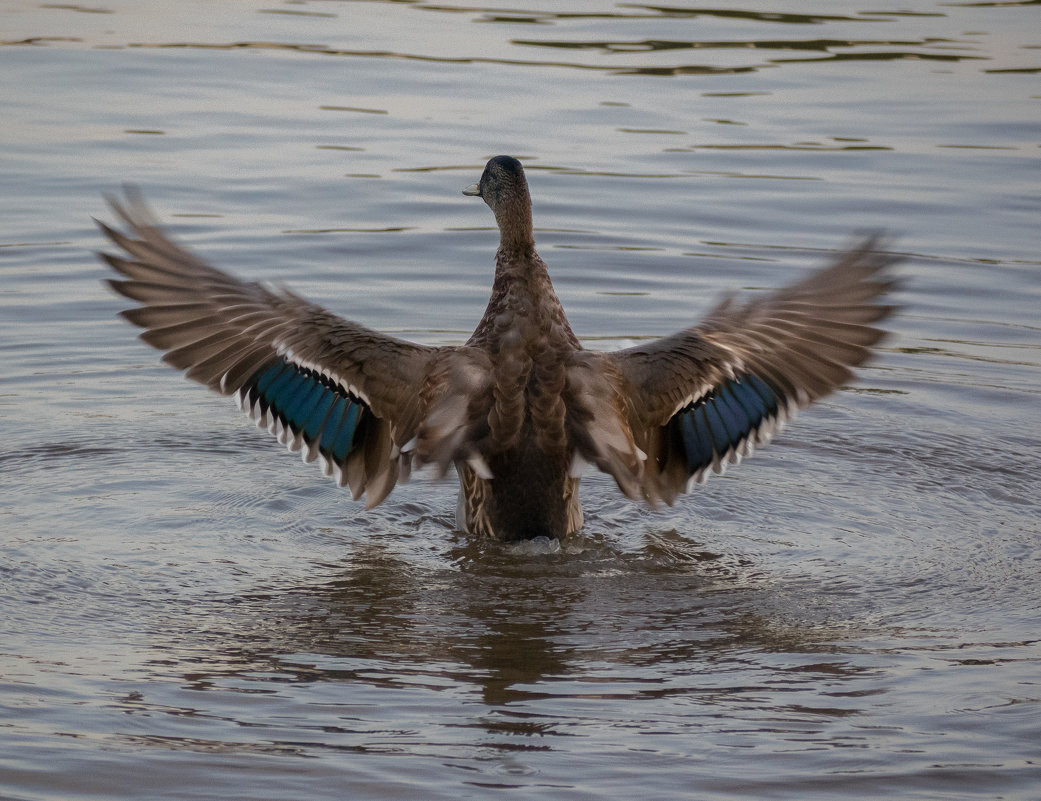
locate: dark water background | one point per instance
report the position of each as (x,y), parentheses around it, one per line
(186,612)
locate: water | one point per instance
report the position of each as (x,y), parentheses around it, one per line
(188,612)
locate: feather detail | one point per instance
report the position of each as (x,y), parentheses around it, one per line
(706,397)
(333,390)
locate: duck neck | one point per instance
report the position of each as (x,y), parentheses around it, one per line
(516,232)
(518,269)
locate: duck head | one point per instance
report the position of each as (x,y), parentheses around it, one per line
(505,189)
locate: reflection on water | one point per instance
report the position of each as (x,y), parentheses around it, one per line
(510,628)
(188,612)
(542,650)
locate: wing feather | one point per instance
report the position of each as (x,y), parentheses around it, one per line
(328,387)
(707,396)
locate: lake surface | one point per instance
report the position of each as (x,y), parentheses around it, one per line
(188,612)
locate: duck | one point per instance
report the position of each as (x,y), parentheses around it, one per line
(522,408)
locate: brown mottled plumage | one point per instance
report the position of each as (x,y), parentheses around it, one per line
(521,407)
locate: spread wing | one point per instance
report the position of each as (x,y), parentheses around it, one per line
(706,396)
(333,389)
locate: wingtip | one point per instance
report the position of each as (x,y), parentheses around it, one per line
(877,243)
(131,207)
(118,286)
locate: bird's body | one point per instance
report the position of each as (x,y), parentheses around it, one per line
(530,346)
(521,407)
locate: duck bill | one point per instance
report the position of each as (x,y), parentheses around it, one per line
(473,190)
